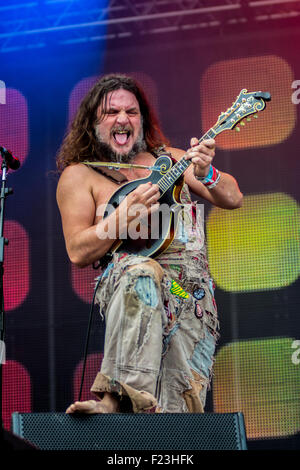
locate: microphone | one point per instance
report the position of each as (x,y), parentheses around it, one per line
(12,162)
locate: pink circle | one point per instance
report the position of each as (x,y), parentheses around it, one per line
(16,390)
(16,282)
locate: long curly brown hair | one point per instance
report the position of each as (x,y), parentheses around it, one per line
(81,143)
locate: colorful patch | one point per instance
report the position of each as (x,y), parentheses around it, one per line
(198,311)
(177,290)
(199,293)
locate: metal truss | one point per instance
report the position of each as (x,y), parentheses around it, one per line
(39,23)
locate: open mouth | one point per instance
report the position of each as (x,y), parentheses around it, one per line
(121,137)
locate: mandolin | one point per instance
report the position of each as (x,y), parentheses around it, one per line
(152,241)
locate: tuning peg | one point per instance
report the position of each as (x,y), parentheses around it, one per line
(248,119)
(237,129)
(242,123)
(255,116)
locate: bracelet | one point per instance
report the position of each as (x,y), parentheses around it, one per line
(212,179)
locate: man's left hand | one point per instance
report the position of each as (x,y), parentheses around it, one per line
(201,154)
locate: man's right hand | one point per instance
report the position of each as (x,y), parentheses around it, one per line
(143,199)
(138,205)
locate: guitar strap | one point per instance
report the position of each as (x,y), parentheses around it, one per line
(114,175)
(111,169)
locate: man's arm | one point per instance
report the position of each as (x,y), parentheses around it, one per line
(82,228)
(78,213)
(226,194)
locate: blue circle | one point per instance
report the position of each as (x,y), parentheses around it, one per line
(199,293)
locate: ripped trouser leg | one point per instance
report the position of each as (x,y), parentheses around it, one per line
(133,340)
(156,359)
(186,367)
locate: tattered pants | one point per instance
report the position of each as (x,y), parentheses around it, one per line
(157,358)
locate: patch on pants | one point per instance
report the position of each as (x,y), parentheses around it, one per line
(146,290)
(177,290)
(202,358)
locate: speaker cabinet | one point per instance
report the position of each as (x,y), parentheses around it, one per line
(170,431)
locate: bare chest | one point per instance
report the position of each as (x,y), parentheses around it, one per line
(104,186)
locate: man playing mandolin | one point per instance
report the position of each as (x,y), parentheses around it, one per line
(160,312)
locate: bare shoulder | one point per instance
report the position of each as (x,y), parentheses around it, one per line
(76,177)
(73,173)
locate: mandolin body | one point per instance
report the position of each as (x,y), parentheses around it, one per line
(161,227)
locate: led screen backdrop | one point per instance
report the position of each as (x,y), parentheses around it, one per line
(253,251)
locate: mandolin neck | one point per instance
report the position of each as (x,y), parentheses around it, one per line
(180,167)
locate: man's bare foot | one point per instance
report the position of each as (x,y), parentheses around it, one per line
(109,404)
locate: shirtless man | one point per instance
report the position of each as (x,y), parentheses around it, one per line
(115,123)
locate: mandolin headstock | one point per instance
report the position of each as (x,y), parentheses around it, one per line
(246,104)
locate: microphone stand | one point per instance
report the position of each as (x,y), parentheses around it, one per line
(3,241)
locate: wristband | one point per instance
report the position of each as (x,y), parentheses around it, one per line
(212,179)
